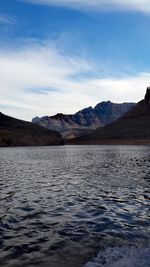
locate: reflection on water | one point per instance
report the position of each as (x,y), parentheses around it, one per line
(57,202)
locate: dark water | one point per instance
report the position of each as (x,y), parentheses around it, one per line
(61,205)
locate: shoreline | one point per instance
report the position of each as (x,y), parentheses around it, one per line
(108,142)
(89,143)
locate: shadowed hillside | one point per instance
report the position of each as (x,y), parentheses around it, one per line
(14,132)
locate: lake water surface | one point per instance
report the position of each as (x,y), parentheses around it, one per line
(61,206)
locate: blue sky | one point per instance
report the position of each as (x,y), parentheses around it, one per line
(64,55)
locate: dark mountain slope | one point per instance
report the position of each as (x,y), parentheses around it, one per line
(133,127)
(14,132)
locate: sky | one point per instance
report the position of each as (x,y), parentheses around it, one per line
(60,56)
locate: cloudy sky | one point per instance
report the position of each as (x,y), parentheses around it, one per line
(64,55)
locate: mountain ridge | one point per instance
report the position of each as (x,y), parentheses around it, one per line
(132,127)
(85,120)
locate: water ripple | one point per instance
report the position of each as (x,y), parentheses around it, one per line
(71,200)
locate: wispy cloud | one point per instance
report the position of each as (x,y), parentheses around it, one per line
(5,19)
(40,80)
(99,5)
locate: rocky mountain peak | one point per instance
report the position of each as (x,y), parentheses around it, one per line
(147,96)
(85,110)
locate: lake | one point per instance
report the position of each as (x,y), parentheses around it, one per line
(75,206)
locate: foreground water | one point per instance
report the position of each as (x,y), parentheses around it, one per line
(61,206)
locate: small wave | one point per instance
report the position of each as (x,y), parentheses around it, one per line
(121,257)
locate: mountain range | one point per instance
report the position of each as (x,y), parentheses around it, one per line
(14,132)
(133,127)
(84,121)
(107,123)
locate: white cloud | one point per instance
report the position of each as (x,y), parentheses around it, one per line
(98,5)
(40,80)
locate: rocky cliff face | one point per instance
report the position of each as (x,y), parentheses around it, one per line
(108,112)
(84,121)
(132,127)
(15,132)
(147,96)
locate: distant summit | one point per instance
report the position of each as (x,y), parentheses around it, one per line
(84,121)
(133,127)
